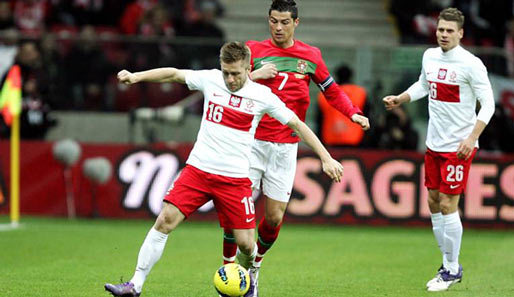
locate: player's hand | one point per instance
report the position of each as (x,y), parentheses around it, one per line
(466,148)
(127,77)
(333,169)
(391,102)
(361,120)
(267,71)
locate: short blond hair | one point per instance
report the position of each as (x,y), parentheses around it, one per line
(234,51)
(452,15)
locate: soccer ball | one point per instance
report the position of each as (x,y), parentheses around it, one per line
(231,280)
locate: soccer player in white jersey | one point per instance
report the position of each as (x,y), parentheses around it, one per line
(219,164)
(454,80)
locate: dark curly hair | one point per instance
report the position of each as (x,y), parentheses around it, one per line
(284,6)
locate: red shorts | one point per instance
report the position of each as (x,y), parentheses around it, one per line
(232,196)
(446,172)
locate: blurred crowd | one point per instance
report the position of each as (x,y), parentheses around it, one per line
(486,21)
(487,24)
(70,50)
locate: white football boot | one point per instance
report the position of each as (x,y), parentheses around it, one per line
(445,281)
(438,274)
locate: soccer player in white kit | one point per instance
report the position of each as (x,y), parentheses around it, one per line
(219,164)
(454,80)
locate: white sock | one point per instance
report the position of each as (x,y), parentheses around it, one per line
(452,240)
(149,254)
(247,259)
(254,254)
(438,228)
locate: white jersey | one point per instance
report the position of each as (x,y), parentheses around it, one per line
(454,80)
(229,120)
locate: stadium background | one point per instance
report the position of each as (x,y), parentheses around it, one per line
(71,51)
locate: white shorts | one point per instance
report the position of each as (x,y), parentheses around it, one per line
(273,167)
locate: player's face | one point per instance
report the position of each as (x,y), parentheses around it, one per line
(235,74)
(448,34)
(281,27)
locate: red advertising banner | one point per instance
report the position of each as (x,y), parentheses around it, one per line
(378,187)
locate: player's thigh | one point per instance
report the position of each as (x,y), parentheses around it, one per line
(233,200)
(277,183)
(454,173)
(189,191)
(258,162)
(432,170)
(274,211)
(449,203)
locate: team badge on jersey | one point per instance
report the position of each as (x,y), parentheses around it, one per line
(249,105)
(453,77)
(301,67)
(235,101)
(442,74)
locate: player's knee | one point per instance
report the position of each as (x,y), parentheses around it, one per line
(274,215)
(168,219)
(245,245)
(446,206)
(274,219)
(433,197)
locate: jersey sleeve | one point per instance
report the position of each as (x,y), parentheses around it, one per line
(278,109)
(196,80)
(419,89)
(336,97)
(482,90)
(321,76)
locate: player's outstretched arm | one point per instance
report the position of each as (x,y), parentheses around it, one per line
(339,100)
(392,101)
(331,167)
(160,75)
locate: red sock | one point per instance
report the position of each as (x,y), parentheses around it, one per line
(267,236)
(229,247)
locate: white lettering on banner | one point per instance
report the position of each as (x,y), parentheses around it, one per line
(351,190)
(393,189)
(384,183)
(507,187)
(474,208)
(397,191)
(148,178)
(311,190)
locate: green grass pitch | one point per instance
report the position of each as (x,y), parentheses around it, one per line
(57,257)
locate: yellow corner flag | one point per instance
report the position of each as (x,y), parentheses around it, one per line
(10,108)
(10,96)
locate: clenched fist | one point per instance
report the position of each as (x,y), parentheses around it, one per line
(391,102)
(127,77)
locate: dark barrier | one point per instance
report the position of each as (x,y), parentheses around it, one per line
(379,187)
